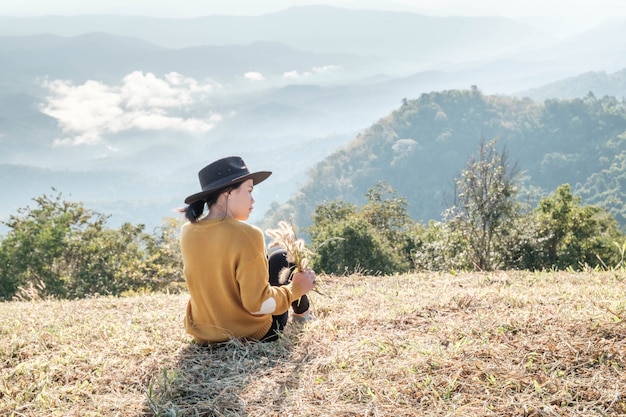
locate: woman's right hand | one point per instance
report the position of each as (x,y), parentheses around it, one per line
(305,280)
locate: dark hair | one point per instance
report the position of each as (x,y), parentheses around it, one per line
(194,210)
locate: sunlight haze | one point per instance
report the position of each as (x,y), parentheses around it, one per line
(135,95)
(573,11)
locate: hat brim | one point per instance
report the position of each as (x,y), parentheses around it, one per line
(257,177)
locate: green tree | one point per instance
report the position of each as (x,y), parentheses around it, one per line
(484,207)
(388,213)
(572,235)
(353,245)
(328,214)
(101,261)
(439,248)
(377,239)
(69,250)
(38,248)
(163,264)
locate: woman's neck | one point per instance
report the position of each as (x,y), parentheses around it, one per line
(218,211)
(218,214)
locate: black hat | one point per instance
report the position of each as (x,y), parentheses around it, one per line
(223,173)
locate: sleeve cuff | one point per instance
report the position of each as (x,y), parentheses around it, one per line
(296,291)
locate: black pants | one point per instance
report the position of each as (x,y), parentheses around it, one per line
(277,261)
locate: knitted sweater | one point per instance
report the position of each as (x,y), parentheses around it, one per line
(226,270)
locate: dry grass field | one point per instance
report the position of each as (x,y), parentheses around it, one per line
(492,344)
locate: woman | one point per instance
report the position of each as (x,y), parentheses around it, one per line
(226,265)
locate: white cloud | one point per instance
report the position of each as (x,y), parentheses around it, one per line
(314,71)
(254,76)
(89,111)
(325,68)
(82,108)
(291,74)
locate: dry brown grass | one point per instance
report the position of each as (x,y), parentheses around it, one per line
(499,344)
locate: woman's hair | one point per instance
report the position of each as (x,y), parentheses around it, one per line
(194,210)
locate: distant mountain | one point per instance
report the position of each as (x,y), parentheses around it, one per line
(108,58)
(362,42)
(321,29)
(24,130)
(598,83)
(423,145)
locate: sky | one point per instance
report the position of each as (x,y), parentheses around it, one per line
(88,113)
(573,11)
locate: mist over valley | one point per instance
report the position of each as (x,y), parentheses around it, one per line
(122,111)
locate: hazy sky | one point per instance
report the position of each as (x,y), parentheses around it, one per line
(582,11)
(87,113)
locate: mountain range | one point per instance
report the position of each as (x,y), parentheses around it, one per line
(122,111)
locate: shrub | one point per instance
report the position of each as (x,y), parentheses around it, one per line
(66,251)
(376,239)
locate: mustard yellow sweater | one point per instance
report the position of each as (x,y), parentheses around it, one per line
(225,267)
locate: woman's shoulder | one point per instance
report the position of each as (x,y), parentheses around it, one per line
(232,225)
(247,235)
(246,227)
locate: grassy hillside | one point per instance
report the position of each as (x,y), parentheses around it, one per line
(505,343)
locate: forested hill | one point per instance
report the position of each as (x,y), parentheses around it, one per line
(600,82)
(420,148)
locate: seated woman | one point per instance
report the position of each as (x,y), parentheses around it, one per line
(226,267)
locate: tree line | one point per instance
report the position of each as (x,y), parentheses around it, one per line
(487,226)
(61,249)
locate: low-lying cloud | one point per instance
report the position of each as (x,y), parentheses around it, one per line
(254,76)
(314,71)
(143,101)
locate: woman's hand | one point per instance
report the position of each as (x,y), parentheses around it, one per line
(305,280)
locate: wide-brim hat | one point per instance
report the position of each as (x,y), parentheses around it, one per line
(224,173)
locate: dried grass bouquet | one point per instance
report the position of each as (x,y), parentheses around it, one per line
(297,252)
